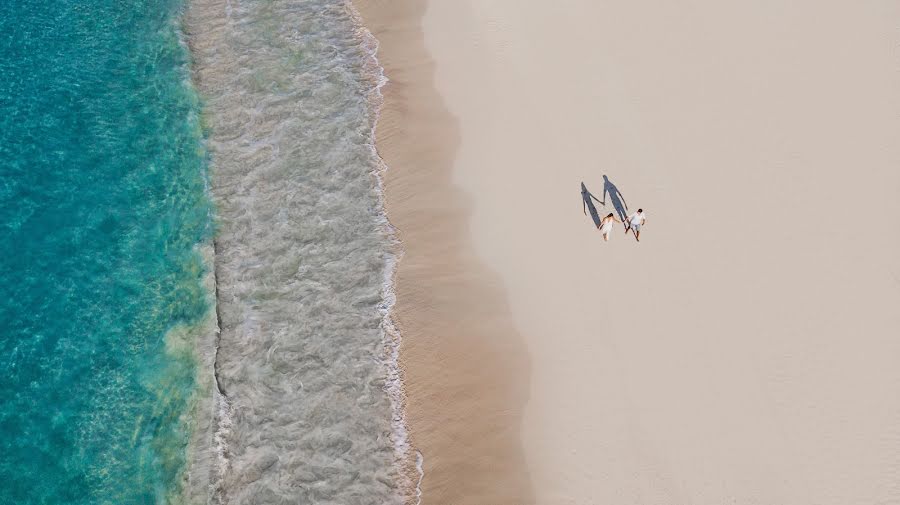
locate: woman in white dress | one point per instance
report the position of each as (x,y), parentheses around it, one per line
(606,225)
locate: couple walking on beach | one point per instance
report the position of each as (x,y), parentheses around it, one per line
(632,222)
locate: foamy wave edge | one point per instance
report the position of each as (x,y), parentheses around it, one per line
(208,451)
(407,457)
(209,414)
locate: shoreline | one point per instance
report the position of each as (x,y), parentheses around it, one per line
(465,370)
(409,460)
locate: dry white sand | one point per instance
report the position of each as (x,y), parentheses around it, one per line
(747,350)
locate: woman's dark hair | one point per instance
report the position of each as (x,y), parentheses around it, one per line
(609,215)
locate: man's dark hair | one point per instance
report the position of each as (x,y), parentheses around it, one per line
(640,210)
(609,215)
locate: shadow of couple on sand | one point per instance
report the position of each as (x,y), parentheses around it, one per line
(615,198)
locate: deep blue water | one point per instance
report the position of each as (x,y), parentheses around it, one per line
(102,203)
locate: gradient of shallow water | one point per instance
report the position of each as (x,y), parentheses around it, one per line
(102,203)
(303,256)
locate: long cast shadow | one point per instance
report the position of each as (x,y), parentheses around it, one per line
(616,197)
(586,203)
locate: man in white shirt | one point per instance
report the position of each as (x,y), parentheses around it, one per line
(634,222)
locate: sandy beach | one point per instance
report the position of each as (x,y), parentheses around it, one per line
(465,367)
(745,350)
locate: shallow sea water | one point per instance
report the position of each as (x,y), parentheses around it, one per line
(102,207)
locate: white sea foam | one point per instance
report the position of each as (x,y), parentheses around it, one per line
(309,392)
(392,337)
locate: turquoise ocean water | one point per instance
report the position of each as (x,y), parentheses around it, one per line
(102,205)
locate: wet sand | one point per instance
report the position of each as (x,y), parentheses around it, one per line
(465,368)
(745,351)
